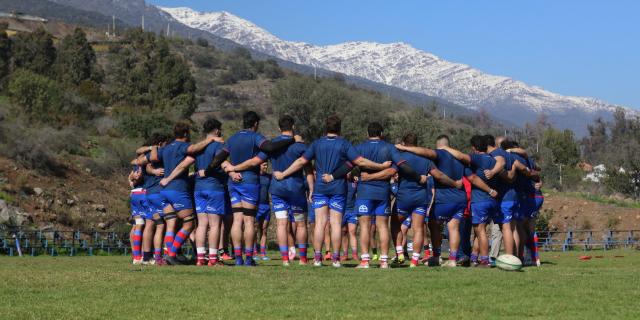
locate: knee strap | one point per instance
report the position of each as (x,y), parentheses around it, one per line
(246,212)
(170,216)
(189,218)
(158,221)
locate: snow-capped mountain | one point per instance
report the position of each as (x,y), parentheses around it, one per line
(405,67)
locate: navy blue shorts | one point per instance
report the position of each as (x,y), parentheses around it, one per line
(210,202)
(179,200)
(139,203)
(243,192)
(447,211)
(156,204)
(336,202)
(349,218)
(372,207)
(264,212)
(482,211)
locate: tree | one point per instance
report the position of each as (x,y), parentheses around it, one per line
(5,50)
(563,146)
(76,59)
(34,51)
(40,97)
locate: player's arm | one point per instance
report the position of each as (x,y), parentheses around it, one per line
(293,168)
(445,179)
(134,177)
(144,149)
(140,160)
(383,175)
(153,155)
(421,151)
(246,165)
(368,164)
(218,159)
(525,171)
(480,184)
(497,168)
(197,147)
(182,166)
(308,170)
(460,156)
(154,171)
(519,151)
(270,146)
(339,173)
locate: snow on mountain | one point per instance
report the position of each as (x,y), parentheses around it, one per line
(405,67)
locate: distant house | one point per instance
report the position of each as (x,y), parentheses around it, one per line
(596,174)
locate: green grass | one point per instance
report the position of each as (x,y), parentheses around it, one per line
(110,288)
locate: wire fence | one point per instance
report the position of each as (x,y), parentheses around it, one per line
(17,241)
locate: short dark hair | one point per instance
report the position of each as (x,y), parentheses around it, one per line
(333,124)
(479,143)
(491,140)
(508,144)
(374,129)
(211,124)
(410,139)
(442,136)
(286,122)
(250,119)
(181,130)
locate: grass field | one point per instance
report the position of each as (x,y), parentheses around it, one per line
(110,288)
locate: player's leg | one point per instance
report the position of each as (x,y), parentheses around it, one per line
(170,222)
(395,222)
(481,213)
(321,214)
(353,241)
(373,244)
(214,221)
(381,214)
(236,232)
(158,238)
(336,210)
(249,232)
(344,246)
(418,230)
(496,240)
(225,235)
(453,226)
(187,217)
(281,211)
(300,223)
(201,200)
(365,235)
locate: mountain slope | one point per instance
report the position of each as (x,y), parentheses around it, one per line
(402,66)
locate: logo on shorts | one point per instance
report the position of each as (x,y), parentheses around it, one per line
(278,206)
(336,205)
(363,209)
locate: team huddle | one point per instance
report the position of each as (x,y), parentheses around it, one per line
(330,188)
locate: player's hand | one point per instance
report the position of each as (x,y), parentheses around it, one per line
(278,175)
(201,173)
(235,176)
(229,168)
(400,147)
(459,184)
(158,172)
(488,174)
(298,138)
(364,176)
(387,164)
(423,179)
(493,193)
(164,182)
(310,196)
(327,178)
(218,139)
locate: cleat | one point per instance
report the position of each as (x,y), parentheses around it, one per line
(285,263)
(160,262)
(401,259)
(226,257)
(249,262)
(355,257)
(363,265)
(375,257)
(149,262)
(317,263)
(484,265)
(182,259)
(239,261)
(433,262)
(384,265)
(336,264)
(137,262)
(463,262)
(265,258)
(171,261)
(413,263)
(344,258)
(449,264)
(302,262)
(492,262)
(327,256)
(200,263)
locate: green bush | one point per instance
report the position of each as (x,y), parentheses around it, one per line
(40,97)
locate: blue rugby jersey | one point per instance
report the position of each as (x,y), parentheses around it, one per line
(242,146)
(329,154)
(280,161)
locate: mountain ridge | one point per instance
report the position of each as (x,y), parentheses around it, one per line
(400,65)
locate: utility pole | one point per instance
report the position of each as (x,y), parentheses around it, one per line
(315,72)
(560,170)
(444,112)
(113,19)
(143,22)
(168,28)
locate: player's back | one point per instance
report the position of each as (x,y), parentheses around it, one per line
(203,159)
(378,151)
(242,146)
(454,169)
(422,166)
(330,152)
(280,161)
(172,155)
(504,188)
(479,163)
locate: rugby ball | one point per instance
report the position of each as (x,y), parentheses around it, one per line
(508,262)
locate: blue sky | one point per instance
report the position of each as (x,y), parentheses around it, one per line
(572,47)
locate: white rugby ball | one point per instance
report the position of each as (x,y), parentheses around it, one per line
(508,262)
